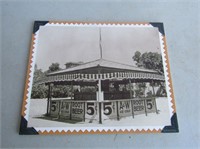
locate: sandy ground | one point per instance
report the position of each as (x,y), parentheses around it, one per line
(38,108)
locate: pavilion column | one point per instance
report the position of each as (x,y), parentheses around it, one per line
(71,89)
(99,86)
(134,86)
(50,86)
(99,97)
(131,94)
(48,98)
(99,89)
(154,95)
(152,84)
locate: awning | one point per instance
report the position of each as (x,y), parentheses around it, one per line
(89,72)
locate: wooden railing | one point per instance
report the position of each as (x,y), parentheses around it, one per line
(116,95)
(85,96)
(107,95)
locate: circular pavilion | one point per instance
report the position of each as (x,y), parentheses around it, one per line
(101,74)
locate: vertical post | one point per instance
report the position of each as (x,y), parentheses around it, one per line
(99,88)
(132,107)
(99,96)
(131,95)
(84,112)
(50,95)
(145,104)
(154,96)
(48,98)
(117,111)
(155,105)
(59,110)
(71,89)
(152,84)
(70,114)
(100,117)
(134,86)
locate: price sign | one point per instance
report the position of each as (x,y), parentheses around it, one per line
(125,108)
(150,105)
(77,110)
(54,109)
(65,109)
(109,110)
(91,112)
(138,106)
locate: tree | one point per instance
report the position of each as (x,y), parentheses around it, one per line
(149,60)
(54,67)
(38,90)
(136,57)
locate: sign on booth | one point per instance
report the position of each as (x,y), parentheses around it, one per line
(101,111)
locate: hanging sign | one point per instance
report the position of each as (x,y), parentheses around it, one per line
(65,109)
(125,108)
(109,110)
(138,106)
(78,110)
(92,110)
(151,105)
(54,108)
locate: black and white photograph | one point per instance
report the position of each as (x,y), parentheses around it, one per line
(98,77)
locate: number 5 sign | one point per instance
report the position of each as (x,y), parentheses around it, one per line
(92,109)
(109,110)
(54,108)
(151,105)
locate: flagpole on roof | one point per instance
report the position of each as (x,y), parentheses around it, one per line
(100,43)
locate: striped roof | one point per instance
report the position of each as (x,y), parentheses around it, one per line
(105,66)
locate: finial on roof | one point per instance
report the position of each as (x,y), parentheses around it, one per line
(100,43)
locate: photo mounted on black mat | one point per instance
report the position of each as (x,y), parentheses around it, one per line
(87,78)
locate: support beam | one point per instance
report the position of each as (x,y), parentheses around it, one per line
(48,98)
(50,93)
(71,89)
(117,110)
(131,94)
(99,87)
(152,84)
(99,96)
(154,96)
(100,116)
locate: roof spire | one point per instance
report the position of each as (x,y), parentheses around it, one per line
(100,43)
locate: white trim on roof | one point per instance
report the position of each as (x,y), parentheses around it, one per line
(103,63)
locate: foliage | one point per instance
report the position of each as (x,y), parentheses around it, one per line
(60,91)
(41,90)
(38,90)
(54,67)
(88,89)
(149,60)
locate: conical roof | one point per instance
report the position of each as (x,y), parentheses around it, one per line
(105,66)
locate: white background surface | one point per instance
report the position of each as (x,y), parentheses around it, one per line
(181,21)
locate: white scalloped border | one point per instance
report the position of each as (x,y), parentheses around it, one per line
(103,128)
(164,58)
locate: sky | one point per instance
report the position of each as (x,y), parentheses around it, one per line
(64,44)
